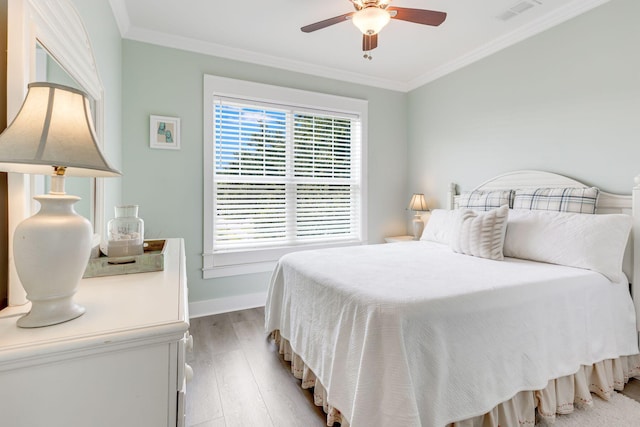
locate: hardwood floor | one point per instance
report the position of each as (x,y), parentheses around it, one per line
(240,380)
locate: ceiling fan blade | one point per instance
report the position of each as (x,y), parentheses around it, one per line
(419,16)
(327,22)
(369,42)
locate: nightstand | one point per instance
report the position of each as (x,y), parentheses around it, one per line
(396,239)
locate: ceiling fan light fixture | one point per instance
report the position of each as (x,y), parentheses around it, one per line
(371,20)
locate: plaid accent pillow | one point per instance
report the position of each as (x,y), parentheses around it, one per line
(578,200)
(485,200)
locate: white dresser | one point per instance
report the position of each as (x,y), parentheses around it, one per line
(120,364)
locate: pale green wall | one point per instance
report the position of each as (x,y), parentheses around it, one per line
(107,48)
(566,101)
(168,184)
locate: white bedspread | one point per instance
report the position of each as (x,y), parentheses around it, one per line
(412,334)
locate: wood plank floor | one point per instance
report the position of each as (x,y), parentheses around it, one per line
(240,380)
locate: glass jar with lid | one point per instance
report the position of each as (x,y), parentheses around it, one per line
(126,233)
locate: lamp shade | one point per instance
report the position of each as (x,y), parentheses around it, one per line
(371,19)
(418,203)
(53,128)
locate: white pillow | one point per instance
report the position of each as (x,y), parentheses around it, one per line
(438,228)
(480,234)
(593,242)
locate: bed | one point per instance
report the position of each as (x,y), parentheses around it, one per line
(450,331)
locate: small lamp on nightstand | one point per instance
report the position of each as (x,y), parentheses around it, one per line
(418,204)
(53,133)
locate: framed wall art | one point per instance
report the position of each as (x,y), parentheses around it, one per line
(164,132)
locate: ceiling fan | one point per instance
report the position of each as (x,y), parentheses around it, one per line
(372,15)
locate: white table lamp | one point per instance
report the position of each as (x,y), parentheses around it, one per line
(418,204)
(53,131)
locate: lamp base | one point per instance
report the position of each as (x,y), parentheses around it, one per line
(51,250)
(51,312)
(418,226)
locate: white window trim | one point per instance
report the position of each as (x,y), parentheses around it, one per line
(233,263)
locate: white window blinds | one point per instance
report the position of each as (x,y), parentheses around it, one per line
(284,176)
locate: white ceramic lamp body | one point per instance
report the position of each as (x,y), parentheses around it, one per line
(418,203)
(51,251)
(417,226)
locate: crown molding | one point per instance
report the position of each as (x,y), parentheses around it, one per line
(214,49)
(127,31)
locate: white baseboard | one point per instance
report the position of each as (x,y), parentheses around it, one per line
(226,305)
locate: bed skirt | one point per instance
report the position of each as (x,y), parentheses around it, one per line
(560,396)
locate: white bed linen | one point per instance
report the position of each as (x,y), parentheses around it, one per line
(412,334)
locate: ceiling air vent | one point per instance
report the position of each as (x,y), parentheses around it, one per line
(517,9)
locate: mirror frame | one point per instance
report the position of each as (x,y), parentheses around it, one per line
(57,26)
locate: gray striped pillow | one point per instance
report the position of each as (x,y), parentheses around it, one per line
(480,234)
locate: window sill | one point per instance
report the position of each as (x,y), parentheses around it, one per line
(238,270)
(235,263)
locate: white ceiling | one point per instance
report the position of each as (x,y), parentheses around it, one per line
(408,55)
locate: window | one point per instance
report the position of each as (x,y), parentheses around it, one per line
(283,171)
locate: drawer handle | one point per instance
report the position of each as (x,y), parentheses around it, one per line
(189,343)
(188,372)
